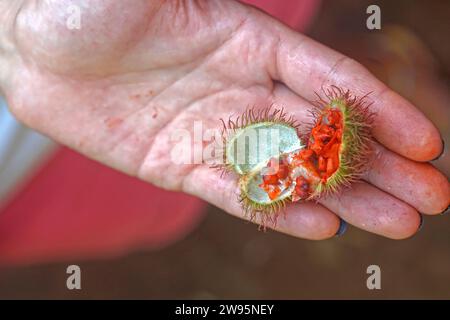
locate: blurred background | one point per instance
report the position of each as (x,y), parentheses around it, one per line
(65,209)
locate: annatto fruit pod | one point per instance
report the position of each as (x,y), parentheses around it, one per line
(338,143)
(277,164)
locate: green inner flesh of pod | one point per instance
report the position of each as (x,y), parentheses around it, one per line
(255,144)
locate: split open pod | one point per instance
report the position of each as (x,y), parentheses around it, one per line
(279,160)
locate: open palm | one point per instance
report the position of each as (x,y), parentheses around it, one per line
(135,72)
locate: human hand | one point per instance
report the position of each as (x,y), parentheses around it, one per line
(118,87)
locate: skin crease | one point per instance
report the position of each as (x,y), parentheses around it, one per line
(118,88)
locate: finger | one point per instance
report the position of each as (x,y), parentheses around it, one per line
(373,210)
(307,66)
(308,220)
(419,184)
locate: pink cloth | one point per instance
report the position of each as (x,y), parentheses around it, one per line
(298,14)
(76,208)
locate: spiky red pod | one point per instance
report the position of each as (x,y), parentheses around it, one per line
(332,152)
(339,141)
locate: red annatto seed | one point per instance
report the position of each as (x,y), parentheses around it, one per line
(332,118)
(316,147)
(270,179)
(274,193)
(287,183)
(301,188)
(283,171)
(322,163)
(322,136)
(330,167)
(306,154)
(325,128)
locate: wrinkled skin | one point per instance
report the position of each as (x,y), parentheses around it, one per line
(117,88)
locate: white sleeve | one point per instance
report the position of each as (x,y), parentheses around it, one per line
(21,150)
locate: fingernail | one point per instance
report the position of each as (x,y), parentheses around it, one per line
(442,152)
(342,228)
(421,222)
(445,211)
